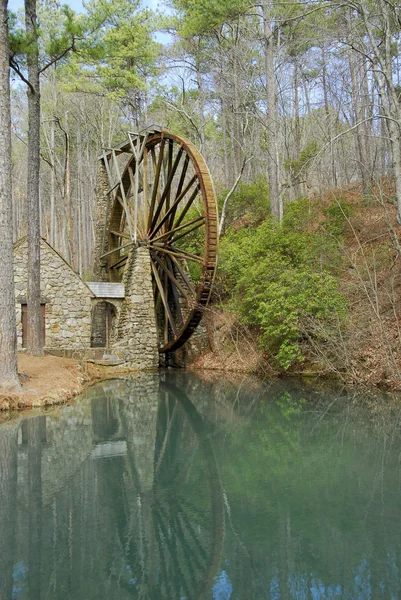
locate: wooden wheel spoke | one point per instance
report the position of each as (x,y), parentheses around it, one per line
(182,273)
(180,186)
(174,206)
(170,163)
(167,312)
(156,181)
(145,188)
(180,228)
(187,255)
(194,228)
(118,263)
(123,199)
(119,234)
(177,252)
(186,208)
(175,293)
(167,188)
(117,249)
(171,276)
(163,298)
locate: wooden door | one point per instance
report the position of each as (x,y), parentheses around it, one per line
(24,321)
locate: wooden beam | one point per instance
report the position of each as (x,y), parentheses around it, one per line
(120,234)
(180,254)
(194,228)
(163,235)
(176,203)
(164,300)
(156,181)
(117,248)
(171,276)
(167,188)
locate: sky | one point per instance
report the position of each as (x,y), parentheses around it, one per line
(76,5)
(14,5)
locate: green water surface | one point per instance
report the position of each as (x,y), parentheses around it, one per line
(169,487)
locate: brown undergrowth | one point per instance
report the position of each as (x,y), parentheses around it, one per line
(366,349)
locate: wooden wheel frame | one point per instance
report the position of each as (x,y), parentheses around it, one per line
(164,199)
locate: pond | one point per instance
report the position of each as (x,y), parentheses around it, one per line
(171,487)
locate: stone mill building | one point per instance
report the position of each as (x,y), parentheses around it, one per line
(77,317)
(156,214)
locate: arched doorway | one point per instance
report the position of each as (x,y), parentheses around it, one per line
(103,324)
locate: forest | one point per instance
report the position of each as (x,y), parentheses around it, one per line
(296,107)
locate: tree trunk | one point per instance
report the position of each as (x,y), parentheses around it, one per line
(8,331)
(328,118)
(297,128)
(53,160)
(387,90)
(35,342)
(272,124)
(358,111)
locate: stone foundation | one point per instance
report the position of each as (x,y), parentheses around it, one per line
(137,339)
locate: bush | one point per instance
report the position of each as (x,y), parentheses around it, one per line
(250,201)
(337,216)
(275,278)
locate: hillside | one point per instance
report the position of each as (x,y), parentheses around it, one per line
(322,297)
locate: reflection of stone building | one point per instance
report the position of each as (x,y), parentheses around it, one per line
(107,498)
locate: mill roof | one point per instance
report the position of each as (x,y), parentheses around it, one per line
(103,289)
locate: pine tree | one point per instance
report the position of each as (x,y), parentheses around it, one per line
(8,332)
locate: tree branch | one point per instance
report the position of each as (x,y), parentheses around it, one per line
(230,193)
(17,70)
(57,58)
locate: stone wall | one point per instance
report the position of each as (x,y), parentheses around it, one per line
(137,339)
(67,298)
(102,201)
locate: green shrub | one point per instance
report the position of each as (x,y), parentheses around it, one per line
(250,200)
(337,215)
(275,278)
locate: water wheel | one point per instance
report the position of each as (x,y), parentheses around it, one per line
(163,197)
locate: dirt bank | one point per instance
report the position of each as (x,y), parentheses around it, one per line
(51,380)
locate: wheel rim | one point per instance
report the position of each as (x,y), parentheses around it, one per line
(170,207)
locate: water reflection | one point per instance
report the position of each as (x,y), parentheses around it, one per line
(105,498)
(170,488)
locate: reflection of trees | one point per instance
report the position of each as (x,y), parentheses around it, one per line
(8,489)
(118,496)
(35,434)
(318,484)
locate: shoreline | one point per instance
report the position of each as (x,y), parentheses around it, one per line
(49,381)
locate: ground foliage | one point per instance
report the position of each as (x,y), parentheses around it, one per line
(281,279)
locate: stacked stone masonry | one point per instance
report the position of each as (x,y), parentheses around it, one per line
(137,338)
(67,298)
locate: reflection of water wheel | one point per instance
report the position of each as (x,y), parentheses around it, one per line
(175,532)
(164,199)
(189,541)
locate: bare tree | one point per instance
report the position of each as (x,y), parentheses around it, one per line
(272,115)
(35,344)
(8,331)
